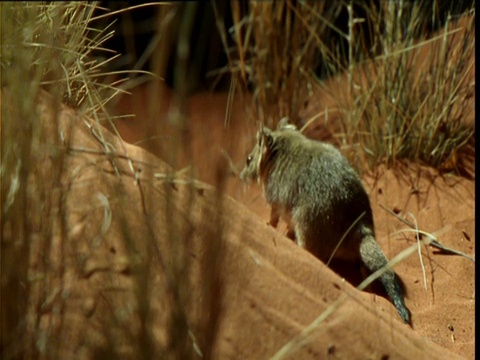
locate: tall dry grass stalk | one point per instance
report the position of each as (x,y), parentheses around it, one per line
(276,50)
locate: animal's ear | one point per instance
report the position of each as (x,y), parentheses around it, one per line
(284,125)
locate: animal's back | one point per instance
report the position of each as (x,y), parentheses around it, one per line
(325,196)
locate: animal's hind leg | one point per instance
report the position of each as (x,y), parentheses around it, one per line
(291,234)
(274,216)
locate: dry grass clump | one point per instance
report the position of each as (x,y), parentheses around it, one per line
(50,45)
(405,95)
(44,46)
(414,101)
(54,47)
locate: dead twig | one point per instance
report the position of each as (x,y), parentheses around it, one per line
(434,242)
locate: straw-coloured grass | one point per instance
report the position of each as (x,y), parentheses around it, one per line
(414,100)
(408,93)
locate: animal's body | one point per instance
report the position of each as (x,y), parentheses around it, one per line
(312,186)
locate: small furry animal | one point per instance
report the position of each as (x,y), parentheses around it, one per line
(312,186)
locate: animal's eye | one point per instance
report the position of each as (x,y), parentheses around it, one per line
(249,159)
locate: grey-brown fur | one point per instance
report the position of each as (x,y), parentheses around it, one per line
(311,185)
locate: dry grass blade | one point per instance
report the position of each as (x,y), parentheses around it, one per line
(344,236)
(420,257)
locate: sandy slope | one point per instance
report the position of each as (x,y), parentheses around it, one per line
(441,204)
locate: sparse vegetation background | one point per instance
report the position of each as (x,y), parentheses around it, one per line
(409,97)
(409,91)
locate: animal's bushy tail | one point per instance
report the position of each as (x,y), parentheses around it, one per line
(374,258)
